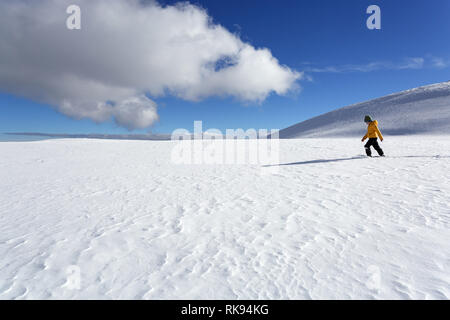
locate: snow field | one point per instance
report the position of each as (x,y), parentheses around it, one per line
(330,224)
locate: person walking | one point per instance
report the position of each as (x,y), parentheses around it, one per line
(373,133)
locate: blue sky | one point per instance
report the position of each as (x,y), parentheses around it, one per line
(343,61)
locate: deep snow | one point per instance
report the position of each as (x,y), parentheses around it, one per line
(329,224)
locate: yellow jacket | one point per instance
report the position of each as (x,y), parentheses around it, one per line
(373,131)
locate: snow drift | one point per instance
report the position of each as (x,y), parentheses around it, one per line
(423,110)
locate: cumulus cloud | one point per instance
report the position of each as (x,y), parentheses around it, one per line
(125,54)
(135,112)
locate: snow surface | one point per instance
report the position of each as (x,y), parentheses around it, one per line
(329,224)
(423,110)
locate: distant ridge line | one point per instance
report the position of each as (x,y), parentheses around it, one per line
(95,136)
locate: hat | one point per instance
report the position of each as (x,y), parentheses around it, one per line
(367,119)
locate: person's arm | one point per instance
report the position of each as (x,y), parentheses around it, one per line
(364,138)
(379,133)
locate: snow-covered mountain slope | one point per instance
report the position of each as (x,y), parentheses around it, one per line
(128,223)
(423,110)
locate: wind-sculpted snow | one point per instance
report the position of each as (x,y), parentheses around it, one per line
(423,110)
(133,225)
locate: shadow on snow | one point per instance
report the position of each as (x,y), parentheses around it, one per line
(352,158)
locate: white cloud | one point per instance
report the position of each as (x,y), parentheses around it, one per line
(411,63)
(136,112)
(407,63)
(124,50)
(440,63)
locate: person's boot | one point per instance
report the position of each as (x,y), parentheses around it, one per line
(369,154)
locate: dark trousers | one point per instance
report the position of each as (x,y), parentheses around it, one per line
(374,143)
